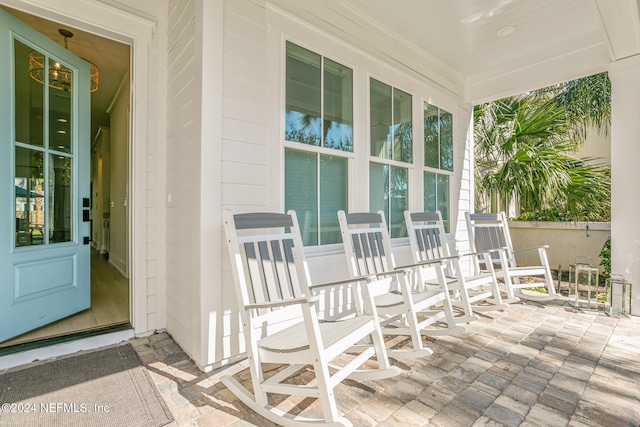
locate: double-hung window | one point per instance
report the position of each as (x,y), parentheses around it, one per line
(391,153)
(318,142)
(438,160)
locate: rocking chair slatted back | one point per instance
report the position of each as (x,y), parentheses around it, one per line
(489,232)
(430,238)
(270,271)
(369,244)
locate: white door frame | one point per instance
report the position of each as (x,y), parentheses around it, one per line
(136,31)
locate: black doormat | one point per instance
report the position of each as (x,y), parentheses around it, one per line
(107,387)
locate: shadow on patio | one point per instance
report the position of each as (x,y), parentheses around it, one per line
(535,365)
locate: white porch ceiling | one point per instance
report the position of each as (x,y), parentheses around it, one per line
(553,41)
(463,34)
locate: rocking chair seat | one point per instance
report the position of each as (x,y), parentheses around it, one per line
(295,338)
(393,299)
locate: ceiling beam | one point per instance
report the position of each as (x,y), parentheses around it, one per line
(621,25)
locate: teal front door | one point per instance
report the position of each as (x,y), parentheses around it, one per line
(44,180)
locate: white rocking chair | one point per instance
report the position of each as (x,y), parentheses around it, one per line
(280,319)
(490,232)
(477,292)
(406,308)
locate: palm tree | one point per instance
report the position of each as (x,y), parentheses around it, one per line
(523,154)
(587,101)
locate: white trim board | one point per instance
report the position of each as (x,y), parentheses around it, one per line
(54,351)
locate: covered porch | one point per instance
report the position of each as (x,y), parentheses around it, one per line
(531,365)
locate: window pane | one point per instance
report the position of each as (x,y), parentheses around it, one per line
(333,197)
(443,198)
(338,106)
(302,116)
(399,196)
(29,94)
(388,192)
(29,197)
(381,118)
(446,141)
(301,189)
(60,199)
(379,188)
(402,127)
(431,154)
(430,192)
(436,195)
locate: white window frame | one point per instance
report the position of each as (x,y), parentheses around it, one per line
(438,171)
(318,150)
(365,66)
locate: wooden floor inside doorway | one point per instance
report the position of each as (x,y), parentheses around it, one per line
(109,305)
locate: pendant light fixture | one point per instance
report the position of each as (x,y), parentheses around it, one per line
(59,75)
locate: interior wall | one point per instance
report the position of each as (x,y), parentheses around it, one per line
(100,184)
(118,180)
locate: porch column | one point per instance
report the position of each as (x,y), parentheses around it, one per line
(625,172)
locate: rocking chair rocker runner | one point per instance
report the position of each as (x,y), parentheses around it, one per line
(280,319)
(406,309)
(490,232)
(429,242)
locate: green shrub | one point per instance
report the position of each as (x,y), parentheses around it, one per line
(605,259)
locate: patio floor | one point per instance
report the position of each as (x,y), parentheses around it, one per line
(532,365)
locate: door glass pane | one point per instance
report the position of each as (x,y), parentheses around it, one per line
(302,115)
(431,139)
(60,198)
(402,127)
(301,189)
(60,109)
(29,197)
(29,95)
(333,196)
(338,106)
(446,140)
(381,117)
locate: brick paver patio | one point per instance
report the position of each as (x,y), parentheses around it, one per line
(532,365)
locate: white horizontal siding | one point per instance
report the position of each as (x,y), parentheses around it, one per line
(251,150)
(183,172)
(243,173)
(244,111)
(245,145)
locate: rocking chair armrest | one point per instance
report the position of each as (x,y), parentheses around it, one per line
(284,302)
(531,249)
(486,251)
(408,267)
(345,281)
